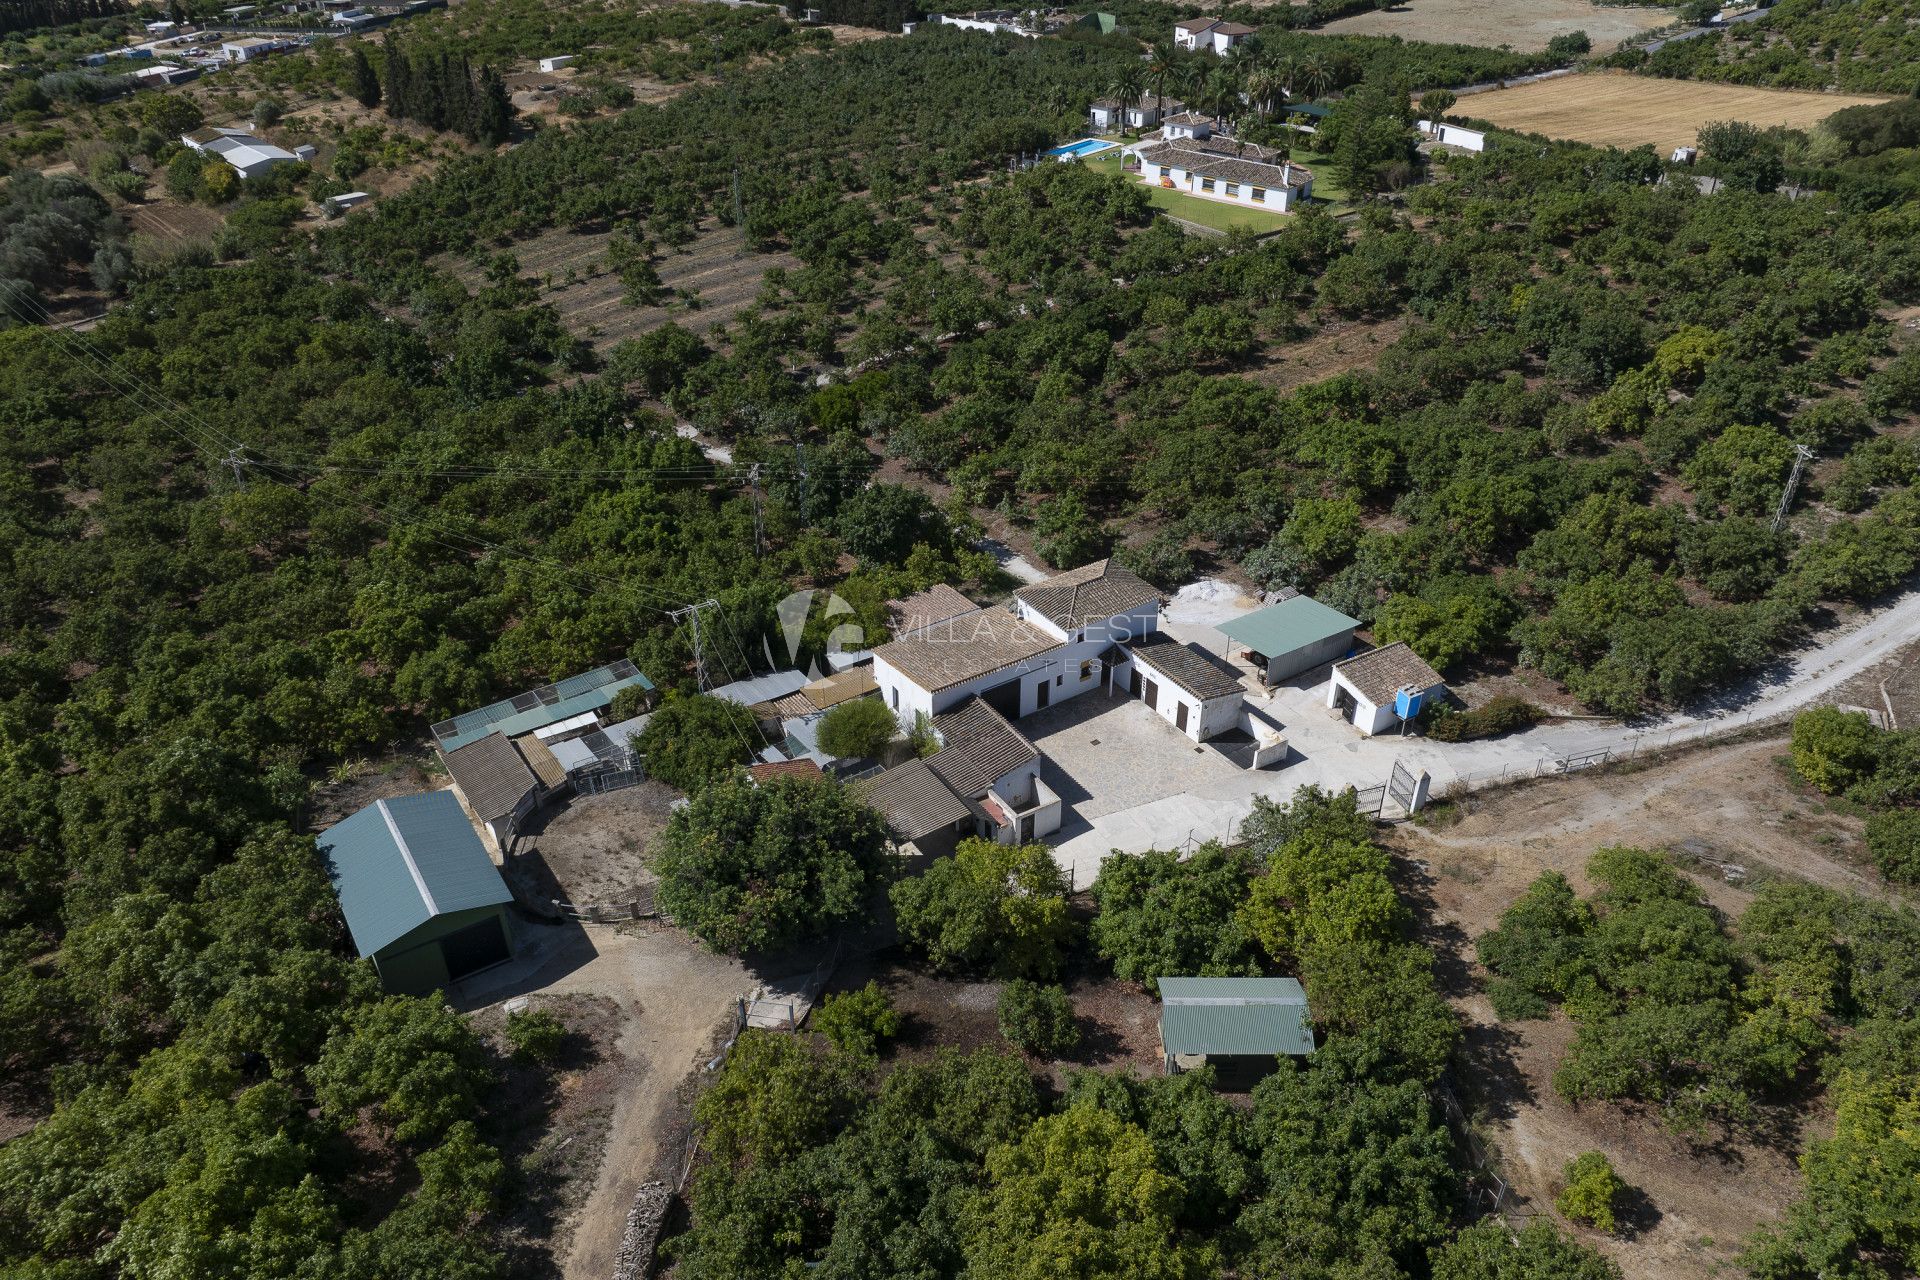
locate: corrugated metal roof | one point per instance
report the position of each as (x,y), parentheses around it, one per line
(537,708)
(775,684)
(1293,624)
(1234,1016)
(397,864)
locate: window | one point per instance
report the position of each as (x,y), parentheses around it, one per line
(1206,184)
(1233,190)
(895,695)
(1059,680)
(1259,195)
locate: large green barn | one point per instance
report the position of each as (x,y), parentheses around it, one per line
(422,899)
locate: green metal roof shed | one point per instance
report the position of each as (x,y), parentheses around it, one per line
(1293,636)
(1221,1020)
(421,897)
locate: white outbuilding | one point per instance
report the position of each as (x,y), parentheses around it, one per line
(1383,688)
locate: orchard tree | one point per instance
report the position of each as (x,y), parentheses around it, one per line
(992,909)
(748,867)
(691,743)
(1161,916)
(857,730)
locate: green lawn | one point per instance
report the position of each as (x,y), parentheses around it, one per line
(1208,213)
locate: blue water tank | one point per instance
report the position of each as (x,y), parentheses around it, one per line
(1406,703)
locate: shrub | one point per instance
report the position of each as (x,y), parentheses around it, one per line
(691,743)
(990,908)
(858,1022)
(536,1035)
(1834,749)
(1037,1019)
(1592,1192)
(1893,838)
(1504,714)
(1161,560)
(857,730)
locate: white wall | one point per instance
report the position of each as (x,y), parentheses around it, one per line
(1279,199)
(1368,718)
(1061,669)
(1204,719)
(1455,136)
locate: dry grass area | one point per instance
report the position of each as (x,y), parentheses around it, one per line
(712,280)
(1728,804)
(1336,348)
(592,849)
(1891,688)
(1523,25)
(170,222)
(1616,109)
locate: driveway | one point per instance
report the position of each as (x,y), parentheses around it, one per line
(1143,786)
(677,1000)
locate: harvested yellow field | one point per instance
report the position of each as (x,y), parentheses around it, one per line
(1523,25)
(1621,110)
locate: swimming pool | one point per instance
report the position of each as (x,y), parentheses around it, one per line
(1076,150)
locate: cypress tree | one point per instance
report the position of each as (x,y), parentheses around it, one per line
(399,86)
(493,111)
(362,83)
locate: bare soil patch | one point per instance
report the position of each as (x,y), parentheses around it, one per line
(1335,349)
(337,798)
(1119,1022)
(592,849)
(712,280)
(1523,25)
(1717,805)
(551,1122)
(1616,109)
(169,221)
(1893,685)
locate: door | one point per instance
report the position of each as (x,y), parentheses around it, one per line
(1133,684)
(474,948)
(1042,695)
(1150,692)
(1004,698)
(1180,718)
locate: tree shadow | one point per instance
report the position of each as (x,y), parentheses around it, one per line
(1635,1214)
(1491,1075)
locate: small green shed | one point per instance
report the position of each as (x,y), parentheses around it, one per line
(1238,1026)
(422,899)
(1292,637)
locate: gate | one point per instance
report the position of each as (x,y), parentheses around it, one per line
(1369,800)
(1402,788)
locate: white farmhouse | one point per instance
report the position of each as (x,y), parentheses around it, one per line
(1218,168)
(1380,689)
(1210,35)
(1055,640)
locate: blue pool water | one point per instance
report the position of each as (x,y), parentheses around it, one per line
(1084,147)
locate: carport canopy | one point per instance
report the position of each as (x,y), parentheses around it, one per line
(1289,626)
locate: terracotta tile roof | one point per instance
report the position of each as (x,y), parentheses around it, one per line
(492,775)
(1197,25)
(774,770)
(978,748)
(1187,667)
(1384,672)
(963,648)
(913,800)
(1233,29)
(922,609)
(1210,162)
(842,686)
(1092,593)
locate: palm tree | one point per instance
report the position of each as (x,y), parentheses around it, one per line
(1163,66)
(1315,76)
(1221,93)
(1127,87)
(1264,88)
